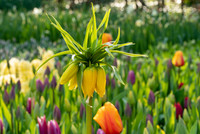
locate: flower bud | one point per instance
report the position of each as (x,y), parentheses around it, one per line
(56,114)
(178,59)
(186,116)
(187,103)
(151,98)
(101,82)
(60,89)
(179,110)
(42,125)
(46,82)
(29,105)
(19,85)
(113,83)
(18,113)
(69,73)
(128,110)
(39,86)
(115,62)
(107,80)
(89,81)
(131,77)
(67,105)
(12,93)
(131,98)
(180,85)
(47,71)
(1,126)
(100,131)
(53,127)
(149,118)
(117,105)
(59,68)
(6,97)
(156,62)
(82,110)
(53,82)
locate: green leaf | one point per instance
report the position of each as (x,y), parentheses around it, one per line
(128,54)
(122,45)
(117,75)
(55,55)
(79,79)
(181,128)
(109,52)
(193,130)
(94,32)
(118,36)
(87,34)
(120,96)
(5,110)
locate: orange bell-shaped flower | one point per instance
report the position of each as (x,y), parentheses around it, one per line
(178,59)
(106,38)
(109,119)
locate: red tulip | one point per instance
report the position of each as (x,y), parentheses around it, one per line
(179,110)
(42,125)
(180,85)
(109,119)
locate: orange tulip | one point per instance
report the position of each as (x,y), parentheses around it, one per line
(178,59)
(108,118)
(106,38)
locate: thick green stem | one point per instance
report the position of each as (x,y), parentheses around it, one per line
(89,116)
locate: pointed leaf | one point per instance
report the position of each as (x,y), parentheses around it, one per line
(128,54)
(118,36)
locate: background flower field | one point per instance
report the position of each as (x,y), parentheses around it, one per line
(157,98)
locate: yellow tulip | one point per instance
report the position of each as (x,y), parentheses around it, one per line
(89,81)
(73,82)
(101,81)
(178,59)
(69,73)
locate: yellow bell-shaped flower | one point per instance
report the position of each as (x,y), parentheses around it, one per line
(69,73)
(89,81)
(101,81)
(73,82)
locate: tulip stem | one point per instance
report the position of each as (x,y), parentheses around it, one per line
(89,116)
(179,71)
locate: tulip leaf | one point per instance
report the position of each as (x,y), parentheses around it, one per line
(181,127)
(128,54)
(6,112)
(193,130)
(55,55)
(118,36)
(120,96)
(117,75)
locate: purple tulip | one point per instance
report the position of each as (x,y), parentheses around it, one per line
(56,114)
(59,68)
(151,98)
(60,88)
(107,80)
(12,93)
(47,71)
(128,110)
(1,126)
(82,110)
(53,82)
(131,77)
(19,85)
(113,83)
(29,105)
(6,97)
(18,113)
(149,118)
(46,82)
(42,125)
(39,86)
(115,62)
(53,127)
(198,67)
(117,105)
(100,131)
(187,103)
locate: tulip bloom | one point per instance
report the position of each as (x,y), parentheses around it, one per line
(179,110)
(178,59)
(106,38)
(131,77)
(42,125)
(29,105)
(53,127)
(109,119)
